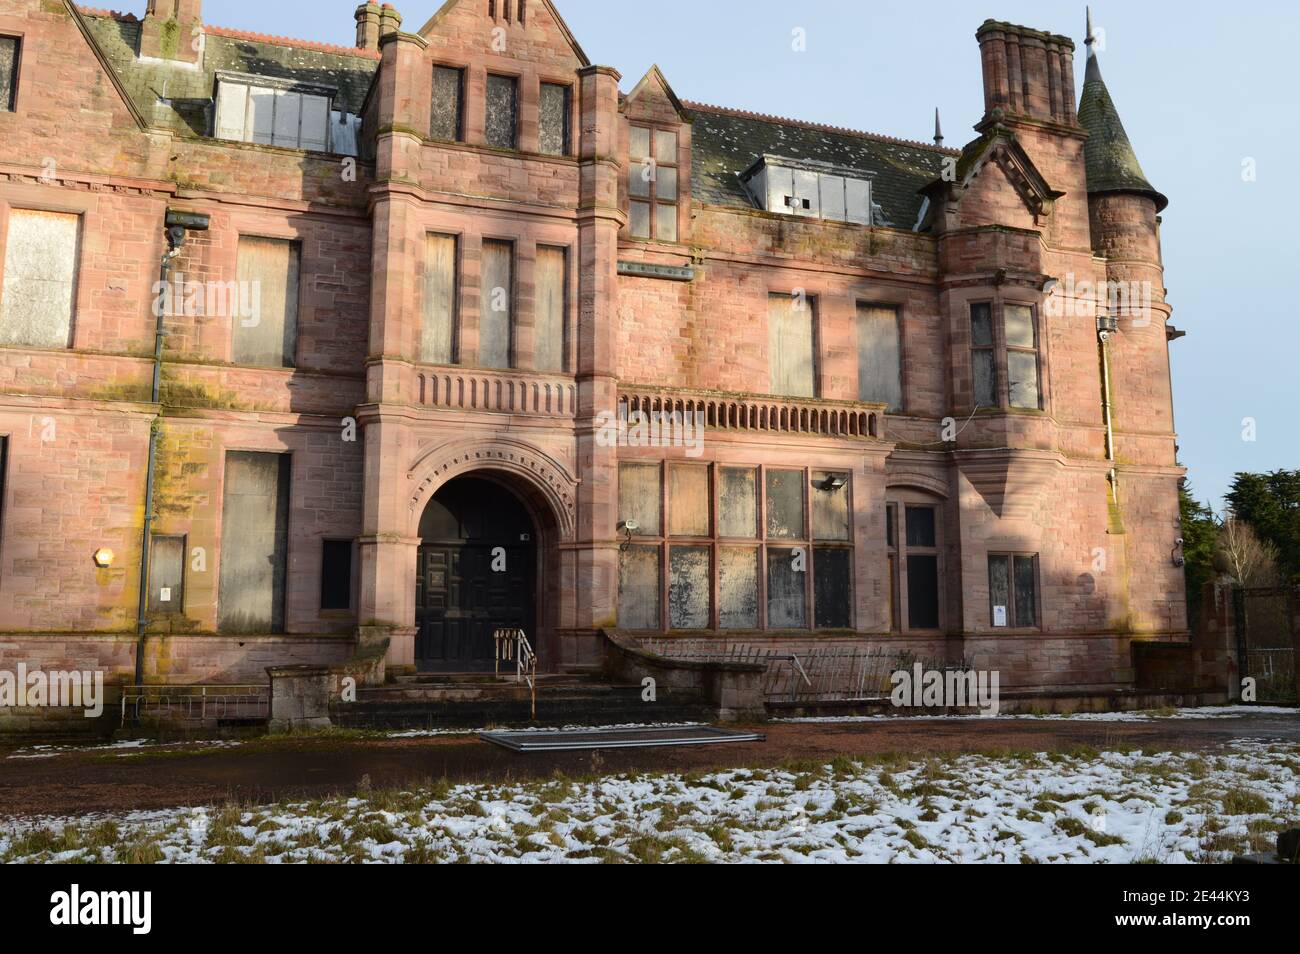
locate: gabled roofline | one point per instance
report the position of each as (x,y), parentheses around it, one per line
(657,74)
(564,27)
(105,65)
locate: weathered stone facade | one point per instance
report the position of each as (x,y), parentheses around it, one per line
(678,322)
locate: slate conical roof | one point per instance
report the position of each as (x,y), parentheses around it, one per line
(1111,163)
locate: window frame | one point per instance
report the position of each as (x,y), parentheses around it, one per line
(1001,350)
(294,241)
(812,303)
(16,80)
(898,309)
(651,198)
(1013,617)
(272,84)
(898,550)
(517,80)
(7,211)
(566,149)
(462,74)
(352,577)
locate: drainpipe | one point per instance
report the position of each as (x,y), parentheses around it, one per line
(177,225)
(1107,326)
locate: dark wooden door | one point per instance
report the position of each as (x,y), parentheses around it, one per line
(461,600)
(478,582)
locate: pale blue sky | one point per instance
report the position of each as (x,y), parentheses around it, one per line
(1200,86)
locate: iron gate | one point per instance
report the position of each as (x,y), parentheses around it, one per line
(1268,620)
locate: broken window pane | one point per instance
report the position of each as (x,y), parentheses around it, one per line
(1026,591)
(785,504)
(1000,590)
(830,508)
(786,573)
(688,500)
(551,281)
(255,543)
(167,575)
(638,588)
(336,575)
(496,308)
(40,278)
(738,502)
(502,111)
(554,119)
(985,376)
(737,588)
(880,379)
(447,112)
(638,497)
(1022,376)
(790,345)
(269,337)
(689,585)
(8,72)
(981,325)
(832,588)
(438,335)
(922,591)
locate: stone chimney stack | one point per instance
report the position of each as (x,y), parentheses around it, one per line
(368,17)
(172,30)
(390,21)
(1027,73)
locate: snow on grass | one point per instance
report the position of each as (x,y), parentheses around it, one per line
(1144,715)
(1021,807)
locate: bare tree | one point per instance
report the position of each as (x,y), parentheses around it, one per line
(1242,555)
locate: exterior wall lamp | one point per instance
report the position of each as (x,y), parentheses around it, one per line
(1177,553)
(1107,325)
(103,558)
(833,483)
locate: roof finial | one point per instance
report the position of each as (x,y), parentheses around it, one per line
(1091,38)
(938,130)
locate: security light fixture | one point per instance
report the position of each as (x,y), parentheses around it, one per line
(833,482)
(1050,285)
(1107,325)
(627,528)
(103,558)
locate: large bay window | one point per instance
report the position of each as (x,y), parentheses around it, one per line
(1005,362)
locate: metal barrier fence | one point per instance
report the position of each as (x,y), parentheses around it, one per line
(817,674)
(247,703)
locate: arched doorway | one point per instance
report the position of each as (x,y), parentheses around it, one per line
(476,571)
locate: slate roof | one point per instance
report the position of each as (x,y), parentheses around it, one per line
(190,90)
(1111,163)
(725,142)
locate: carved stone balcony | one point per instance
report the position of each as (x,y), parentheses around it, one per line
(500,392)
(761,413)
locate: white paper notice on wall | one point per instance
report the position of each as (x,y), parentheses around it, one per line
(999,616)
(165,595)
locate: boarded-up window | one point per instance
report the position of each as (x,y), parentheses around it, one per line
(785,500)
(336,575)
(786,574)
(40,279)
(1022,356)
(830,505)
(502,111)
(551,280)
(277,117)
(438,334)
(269,337)
(9,49)
(254,543)
(737,588)
(496,304)
(688,500)
(639,497)
(448,103)
(737,502)
(638,588)
(832,587)
(983,365)
(167,575)
(554,119)
(880,375)
(689,587)
(790,320)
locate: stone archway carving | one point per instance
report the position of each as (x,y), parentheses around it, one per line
(538,471)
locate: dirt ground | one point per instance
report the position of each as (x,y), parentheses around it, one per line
(259,771)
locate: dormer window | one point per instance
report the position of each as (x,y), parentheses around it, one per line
(652,183)
(262,109)
(810,189)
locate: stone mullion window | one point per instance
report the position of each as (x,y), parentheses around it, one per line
(1006,365)
(914,540)
(653,184)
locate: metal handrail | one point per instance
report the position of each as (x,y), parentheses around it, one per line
(513,644)
(196,700)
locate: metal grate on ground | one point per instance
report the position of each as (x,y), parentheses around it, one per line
(584,740)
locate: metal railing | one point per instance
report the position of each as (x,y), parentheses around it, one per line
(513,645)
(196,703)
(815,674)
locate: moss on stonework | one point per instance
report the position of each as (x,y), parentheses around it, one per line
(176,396)
(169,39)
